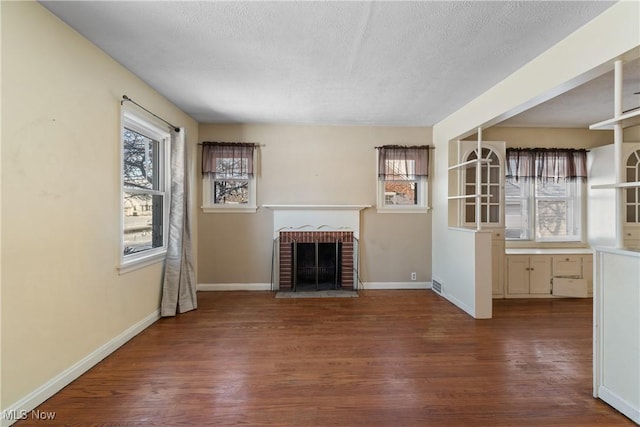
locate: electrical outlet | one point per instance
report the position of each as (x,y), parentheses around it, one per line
(413,276)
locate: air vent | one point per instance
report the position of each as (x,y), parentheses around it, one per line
(437,287)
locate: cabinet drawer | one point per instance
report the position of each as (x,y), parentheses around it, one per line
(632,233)
(564,265)
(570,287)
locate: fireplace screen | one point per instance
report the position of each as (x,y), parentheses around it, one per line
(316,260)
(316,265)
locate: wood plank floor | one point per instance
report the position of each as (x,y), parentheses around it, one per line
(388,358)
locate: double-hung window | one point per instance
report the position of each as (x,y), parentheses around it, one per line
(402,178)
(145,190)
(228,181)
(544,194)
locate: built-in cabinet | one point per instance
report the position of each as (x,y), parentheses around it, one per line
(528,275)
(548,275)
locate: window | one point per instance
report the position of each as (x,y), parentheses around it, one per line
(403,178)
(228,182)
(544,194)
(145,183)
(632,198)
(491,177)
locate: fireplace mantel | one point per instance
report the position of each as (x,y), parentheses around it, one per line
(316,207)
(316,218)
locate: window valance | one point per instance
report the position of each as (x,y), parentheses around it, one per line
(396,162)
(546,164)
(228,159)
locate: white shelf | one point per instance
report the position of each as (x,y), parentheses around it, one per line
(621,185)
(468,196)
(469,163)
(315,207)
(629,119)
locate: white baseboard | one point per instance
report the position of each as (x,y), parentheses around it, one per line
(626,408)
(57,383)
(234,287)
(461,305)
(206,287)
(394,285)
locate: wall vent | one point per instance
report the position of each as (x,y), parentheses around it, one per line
(436,286)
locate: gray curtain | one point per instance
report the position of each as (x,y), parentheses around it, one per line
(546,164)
(179,287)
(397,162)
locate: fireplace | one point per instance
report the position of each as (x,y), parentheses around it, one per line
(316,266)
(315,246)
(316,260)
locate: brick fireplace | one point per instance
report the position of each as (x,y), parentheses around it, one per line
(344,252)
(330,232)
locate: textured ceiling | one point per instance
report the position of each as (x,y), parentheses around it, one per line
(386,63)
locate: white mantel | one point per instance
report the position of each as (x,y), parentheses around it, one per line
(316,218)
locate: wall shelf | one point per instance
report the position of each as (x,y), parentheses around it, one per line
(620,185)
(468,196)
(632,118)
(469,164)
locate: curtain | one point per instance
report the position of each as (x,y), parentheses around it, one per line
(227,159)
(179,287)
(397,162)
(546,164)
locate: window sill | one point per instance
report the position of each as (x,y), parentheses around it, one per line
(403,210)
(138,263)
(229,209)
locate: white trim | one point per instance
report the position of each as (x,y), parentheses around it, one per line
(403,210)
(225,209)
(393,285)
(458,303)
(626,408)
(315,207)
(57,383)
(207,287)
(138,263)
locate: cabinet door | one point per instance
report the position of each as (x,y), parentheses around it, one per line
(567,265)
(497,268)
(540,275)
(517,274)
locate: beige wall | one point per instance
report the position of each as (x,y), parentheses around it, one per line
(547,137)
(314,165)
(62,297)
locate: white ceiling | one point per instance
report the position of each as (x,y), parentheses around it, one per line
(381,63)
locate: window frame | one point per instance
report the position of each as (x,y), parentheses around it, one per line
(422,194)
(149,128)
(576,193)
(208,183)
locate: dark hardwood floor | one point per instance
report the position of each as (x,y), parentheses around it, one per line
(388,358)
